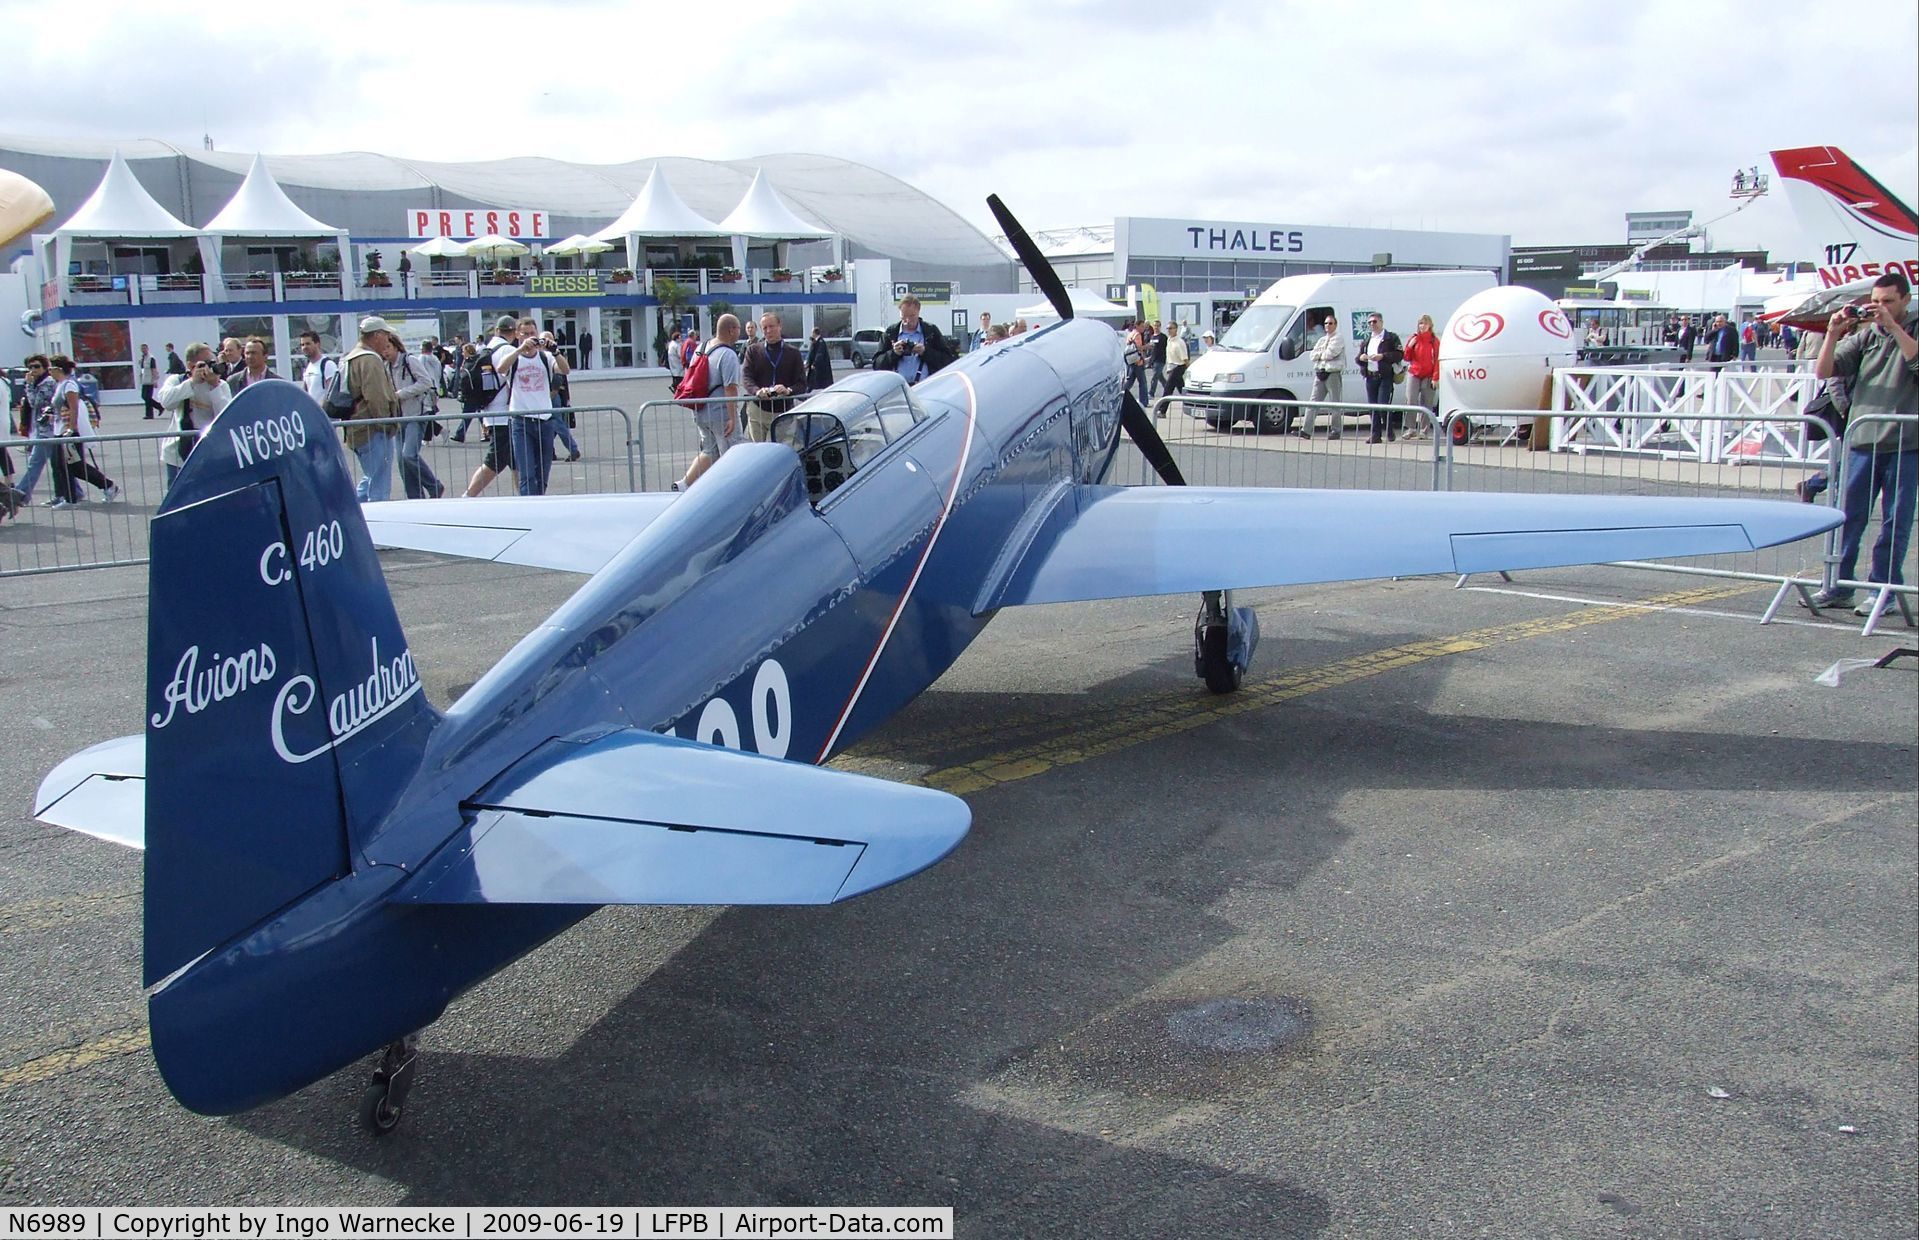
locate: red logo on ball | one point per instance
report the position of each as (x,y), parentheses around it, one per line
(1556,323)
(1477,327)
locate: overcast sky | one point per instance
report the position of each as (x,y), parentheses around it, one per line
(1547,121)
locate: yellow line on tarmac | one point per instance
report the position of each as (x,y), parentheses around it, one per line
(1166,714)
(74,1058)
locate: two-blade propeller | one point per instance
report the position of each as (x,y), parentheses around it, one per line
(1139,427)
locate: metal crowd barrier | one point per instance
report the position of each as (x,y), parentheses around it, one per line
(97,532)
(666,440)
(103,533)
(1882,521)
(1245,456)
(604,434)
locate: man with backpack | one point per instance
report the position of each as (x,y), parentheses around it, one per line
(714,371)
(485,382)
(366,376)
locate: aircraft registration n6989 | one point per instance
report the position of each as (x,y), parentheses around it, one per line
(631,750)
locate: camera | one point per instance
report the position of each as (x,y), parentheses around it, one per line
(1859,312)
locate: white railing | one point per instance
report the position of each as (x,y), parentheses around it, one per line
(1709,416)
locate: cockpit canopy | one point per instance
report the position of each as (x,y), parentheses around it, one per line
(837,431)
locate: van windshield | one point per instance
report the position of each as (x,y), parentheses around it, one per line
(1253,331)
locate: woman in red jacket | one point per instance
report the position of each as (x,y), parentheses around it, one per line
(1422,370)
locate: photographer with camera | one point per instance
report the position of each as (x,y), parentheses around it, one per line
(192,400)
(1876,347)
(527,371)
(912,346)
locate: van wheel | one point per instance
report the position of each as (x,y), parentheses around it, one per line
(1274,421)
(1462,430)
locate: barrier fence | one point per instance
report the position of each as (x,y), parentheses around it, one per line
(1581,451)
(100,533)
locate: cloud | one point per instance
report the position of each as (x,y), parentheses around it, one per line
(1547,122)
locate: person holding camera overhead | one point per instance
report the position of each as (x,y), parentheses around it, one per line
(193,399)
(1876,347)
(526,371)
(913,347)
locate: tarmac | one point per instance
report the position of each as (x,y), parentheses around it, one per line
(1569,906)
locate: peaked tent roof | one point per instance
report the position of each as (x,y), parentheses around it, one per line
(763,213)
(260,208)
(121,207)
(1086,305)
(658,212)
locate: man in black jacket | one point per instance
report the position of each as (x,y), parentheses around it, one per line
(913,347)
(773,373)
(1379,356)
(1722,342)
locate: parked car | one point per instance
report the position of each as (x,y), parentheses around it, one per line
(867,343)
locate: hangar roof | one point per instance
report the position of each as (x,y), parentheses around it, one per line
(874,210)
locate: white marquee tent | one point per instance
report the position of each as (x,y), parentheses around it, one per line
(657,212)
(119,209)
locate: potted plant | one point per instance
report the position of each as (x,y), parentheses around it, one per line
(782,276)
(504,275)
(730,275)
(832,275)
(259,279)
(621,275)
(375,278)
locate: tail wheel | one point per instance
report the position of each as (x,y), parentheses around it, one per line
(1462,430)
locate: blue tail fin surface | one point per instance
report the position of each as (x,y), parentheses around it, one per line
(284,710)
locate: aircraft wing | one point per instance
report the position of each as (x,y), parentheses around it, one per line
(1125,541)
(576,534)
(634,817)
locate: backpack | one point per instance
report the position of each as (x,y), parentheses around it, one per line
(89,385)
(478,383)
(697,385)
(336,398)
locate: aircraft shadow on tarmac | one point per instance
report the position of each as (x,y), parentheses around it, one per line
(822,1056)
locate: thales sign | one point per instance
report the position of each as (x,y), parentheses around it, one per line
(1136,237)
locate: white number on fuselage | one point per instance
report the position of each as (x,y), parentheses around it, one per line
(769,708)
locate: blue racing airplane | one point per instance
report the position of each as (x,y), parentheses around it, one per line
(330,860)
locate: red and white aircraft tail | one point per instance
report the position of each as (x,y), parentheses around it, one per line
(1860,229)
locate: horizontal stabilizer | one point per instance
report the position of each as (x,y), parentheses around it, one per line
(100,791)
(1128,541)
(639,818)
(575,534)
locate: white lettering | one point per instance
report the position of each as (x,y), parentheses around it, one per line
(225,677)
(267,438)
(387,686)
(273,575)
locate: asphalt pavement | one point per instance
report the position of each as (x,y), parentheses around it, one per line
(1564,907)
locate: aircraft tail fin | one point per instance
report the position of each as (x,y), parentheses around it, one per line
(1855,223)
(283,707)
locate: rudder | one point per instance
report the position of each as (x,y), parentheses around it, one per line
(284,711)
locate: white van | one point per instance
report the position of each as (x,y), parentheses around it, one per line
(1267,352)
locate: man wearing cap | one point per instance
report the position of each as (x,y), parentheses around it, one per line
(372,387)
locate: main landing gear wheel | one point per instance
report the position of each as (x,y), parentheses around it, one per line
(1209,656)
(385,1096)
